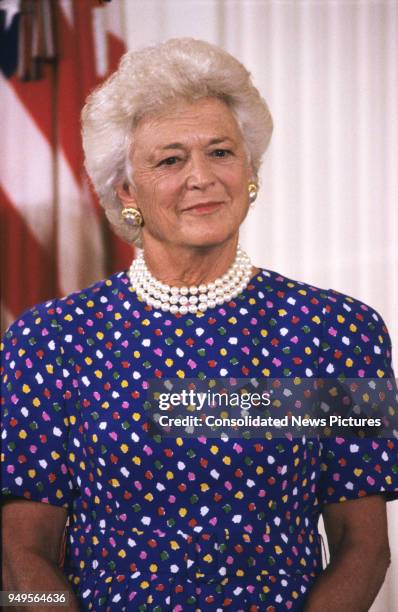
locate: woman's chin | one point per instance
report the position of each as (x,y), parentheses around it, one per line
(206,239)
(202,233)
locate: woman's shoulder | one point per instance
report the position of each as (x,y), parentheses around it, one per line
(331,304)
(292,291)
(351,334)
(49,318)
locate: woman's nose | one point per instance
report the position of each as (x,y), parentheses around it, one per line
(200,173)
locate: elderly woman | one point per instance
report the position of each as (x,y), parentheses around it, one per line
(173,143)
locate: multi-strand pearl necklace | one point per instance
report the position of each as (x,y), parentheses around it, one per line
(194,298)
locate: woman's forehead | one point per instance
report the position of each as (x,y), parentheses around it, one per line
(208,119)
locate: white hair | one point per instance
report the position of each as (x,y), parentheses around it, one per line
(146,81)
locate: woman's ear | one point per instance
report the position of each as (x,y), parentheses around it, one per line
(126,194)
(252,174)
(252,178)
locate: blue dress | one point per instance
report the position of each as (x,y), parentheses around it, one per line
(159,523)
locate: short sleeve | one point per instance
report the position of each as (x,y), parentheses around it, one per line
(356,345)
(34,426)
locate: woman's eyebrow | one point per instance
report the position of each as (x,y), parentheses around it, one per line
(172,145)
(179,145)
(215,141)
(160,149)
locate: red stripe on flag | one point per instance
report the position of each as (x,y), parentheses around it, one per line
(54,103)
(37,98)
(120,254)
(31,274)
(116,49)
(76,78)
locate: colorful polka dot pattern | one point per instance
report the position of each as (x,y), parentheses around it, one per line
(185,524)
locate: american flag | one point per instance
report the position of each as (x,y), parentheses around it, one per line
(54,236)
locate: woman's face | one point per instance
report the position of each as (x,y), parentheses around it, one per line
(191,175)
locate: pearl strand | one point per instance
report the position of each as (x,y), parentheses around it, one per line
(194,298)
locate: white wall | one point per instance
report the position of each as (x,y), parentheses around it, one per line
(328,207)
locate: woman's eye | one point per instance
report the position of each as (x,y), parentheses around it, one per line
(221,152)
(169,161)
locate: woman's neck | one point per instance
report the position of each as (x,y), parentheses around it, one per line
(179,265)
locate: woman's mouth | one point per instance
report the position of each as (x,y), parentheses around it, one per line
(202,208)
